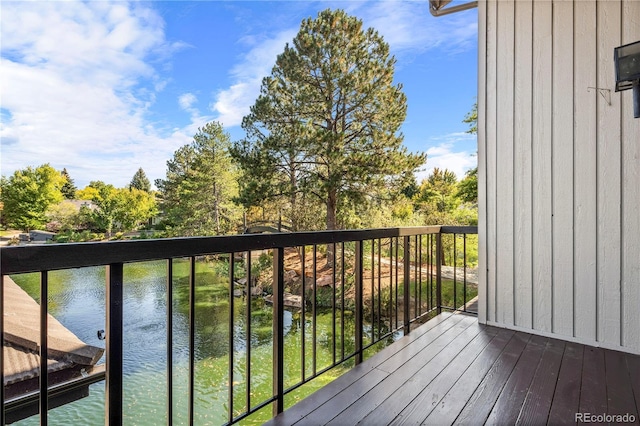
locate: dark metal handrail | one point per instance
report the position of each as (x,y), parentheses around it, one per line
(50,257)
(406,248)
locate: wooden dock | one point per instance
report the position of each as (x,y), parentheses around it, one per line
(68,358)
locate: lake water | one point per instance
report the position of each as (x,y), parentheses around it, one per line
(77,300)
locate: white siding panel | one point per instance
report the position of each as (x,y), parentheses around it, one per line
(585,221)
(482,165)
(566,233)
(630,195)
(522,164)
(608,176)
(491,132)
(504,165)
(562,168)
(541,161)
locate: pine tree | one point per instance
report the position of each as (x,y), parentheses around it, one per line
(140,181)
(327,120)
(68,188)
(201,185)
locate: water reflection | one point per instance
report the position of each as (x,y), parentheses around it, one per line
(77,300)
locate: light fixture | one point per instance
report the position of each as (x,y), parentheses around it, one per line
(627,60)
(437,7)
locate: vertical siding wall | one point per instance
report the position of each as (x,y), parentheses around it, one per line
(559,155)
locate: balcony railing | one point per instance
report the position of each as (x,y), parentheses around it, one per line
(372,285)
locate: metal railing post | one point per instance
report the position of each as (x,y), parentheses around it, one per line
(44,348)
(231,334)
(406,262)
(278,330)
(439,272)
(169,342)
(113,408)
(192,336)
(358,301)
(464,271)
(455,272)
(248,329)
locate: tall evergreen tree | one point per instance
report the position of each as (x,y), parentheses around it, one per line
(68,187)
(140,181)
(327,119)
(201,185)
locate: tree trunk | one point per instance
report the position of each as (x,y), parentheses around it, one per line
(216,209)
(332,205)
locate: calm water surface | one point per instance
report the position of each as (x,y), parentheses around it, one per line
(77,300)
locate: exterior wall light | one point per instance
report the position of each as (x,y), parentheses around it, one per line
(437,7)
(627,60)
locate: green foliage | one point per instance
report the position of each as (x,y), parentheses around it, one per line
(149,235)
(105,198)
(458,301)
(201,185)
(442,200)
(472,119)
(140,181)
(468,187)
(118,208)
(62,216)
(326,123)
(437,196)
(27,194)
(70,236)
(136,207)
(68,187)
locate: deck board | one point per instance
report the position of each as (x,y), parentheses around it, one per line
(456,398)
(334,389)
(507,408)
(537,405)
(468,343)
(405,372)
(567,400)
(620,398)
(593,395)
(479,406)
(633,365)
(429,397)
(453,370)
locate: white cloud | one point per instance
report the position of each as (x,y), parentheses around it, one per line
(449,153)
(77,82)
(187,100)
(233,103)
(79,79)
(406,26)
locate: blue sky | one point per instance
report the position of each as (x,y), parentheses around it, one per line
(103,88)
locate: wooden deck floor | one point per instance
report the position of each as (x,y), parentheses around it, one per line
(454,370)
